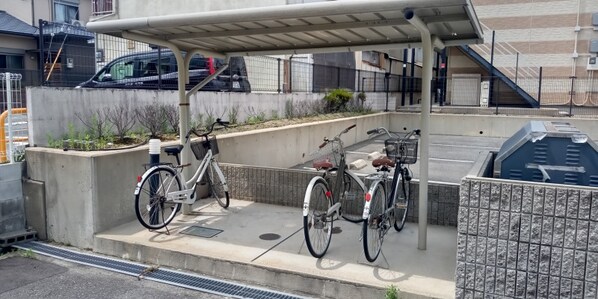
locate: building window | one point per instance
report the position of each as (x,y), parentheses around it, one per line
(371,57)
(65,11)
(11,62)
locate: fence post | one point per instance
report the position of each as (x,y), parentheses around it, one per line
(572,92)
(358,81)
(540,88)
(491,85)
(291,74)
(9,154)
(517,69)
(160,68)
(278,59)
(412,78)
(338,77)
(363,83)
(404,79)
(40,41)
(386,77)
(375,81)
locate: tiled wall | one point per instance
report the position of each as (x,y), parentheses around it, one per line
(526,240)
(287,187)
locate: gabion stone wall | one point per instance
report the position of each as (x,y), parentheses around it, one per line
(526,240)
(287,187)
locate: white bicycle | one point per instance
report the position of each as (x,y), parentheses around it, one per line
(162,188)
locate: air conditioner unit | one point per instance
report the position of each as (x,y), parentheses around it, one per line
(484,93)
(76,23)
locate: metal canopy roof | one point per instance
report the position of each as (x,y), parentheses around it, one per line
(333,26)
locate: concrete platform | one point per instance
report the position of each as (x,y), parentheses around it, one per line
(238,253)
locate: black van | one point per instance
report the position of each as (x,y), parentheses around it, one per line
(158,70)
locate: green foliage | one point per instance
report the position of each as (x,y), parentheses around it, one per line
(255,117)
(289,110)
(274,114)
(27,253)
(233,114)
(337,99)
(392,292)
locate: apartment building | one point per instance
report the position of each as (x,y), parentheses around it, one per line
(560,36)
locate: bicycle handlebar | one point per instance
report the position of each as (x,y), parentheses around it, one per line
(377,130)
(337,137)
(218,121)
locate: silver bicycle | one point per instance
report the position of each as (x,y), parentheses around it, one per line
(162,188)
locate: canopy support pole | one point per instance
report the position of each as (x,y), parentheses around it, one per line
(183,71)
(427,68)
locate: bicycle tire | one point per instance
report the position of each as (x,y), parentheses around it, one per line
(317,226)
(150,197)
(217,182)
(374,226)
(402,203)
(352,200)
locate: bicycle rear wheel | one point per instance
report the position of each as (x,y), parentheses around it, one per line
(152,208)
(375,225)
(217,182)
(317,226)
(351,199)
(402,203)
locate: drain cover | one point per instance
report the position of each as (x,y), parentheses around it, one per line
(270,236)
(200,231)
(336,230)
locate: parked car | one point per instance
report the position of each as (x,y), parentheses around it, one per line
(153,70)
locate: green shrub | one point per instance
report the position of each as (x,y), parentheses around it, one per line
(337,99)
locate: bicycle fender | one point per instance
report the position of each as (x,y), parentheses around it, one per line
(370,194)
(310,186)
(144,176)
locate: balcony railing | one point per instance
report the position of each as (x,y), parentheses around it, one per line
(102,7)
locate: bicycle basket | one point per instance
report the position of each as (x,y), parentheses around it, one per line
(200,148)
(330,153)
(403,150)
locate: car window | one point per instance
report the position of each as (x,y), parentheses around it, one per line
(198,63)
(117,71)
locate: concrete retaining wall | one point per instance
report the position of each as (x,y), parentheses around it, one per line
(520,239)
(12,212)
(89,192)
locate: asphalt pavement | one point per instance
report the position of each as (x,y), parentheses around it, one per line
(27,275)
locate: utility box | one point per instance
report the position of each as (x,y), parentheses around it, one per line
(484,93)
(549,151)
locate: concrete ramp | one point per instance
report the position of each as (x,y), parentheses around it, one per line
(263,244)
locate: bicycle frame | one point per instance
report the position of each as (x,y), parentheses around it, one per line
(338,188)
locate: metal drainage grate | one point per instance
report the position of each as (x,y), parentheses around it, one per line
(200,231)
(190,281)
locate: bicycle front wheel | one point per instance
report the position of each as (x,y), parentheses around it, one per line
(153,209)
(402,203)
(317,225)
(376,223)
(217,183)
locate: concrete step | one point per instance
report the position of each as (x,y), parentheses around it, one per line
(240,253)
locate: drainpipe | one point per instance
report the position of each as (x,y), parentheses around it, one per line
(577,30)
(428,61)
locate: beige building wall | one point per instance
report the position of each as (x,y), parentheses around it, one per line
(544,32)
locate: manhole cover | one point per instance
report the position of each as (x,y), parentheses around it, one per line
(336,230)
(269,236)
(200,231)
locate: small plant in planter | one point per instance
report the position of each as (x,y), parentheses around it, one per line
(361,97)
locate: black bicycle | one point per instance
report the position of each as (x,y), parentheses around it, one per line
(387,200)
